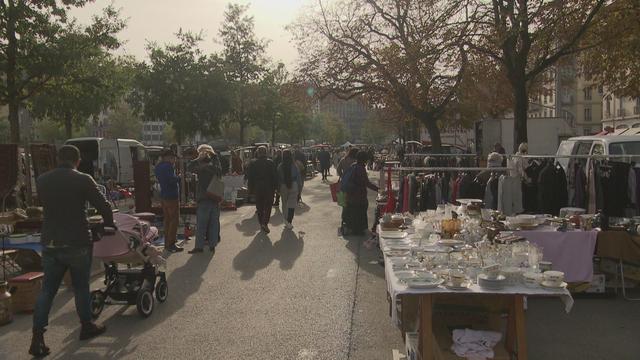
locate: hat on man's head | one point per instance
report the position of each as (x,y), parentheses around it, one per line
(206,149)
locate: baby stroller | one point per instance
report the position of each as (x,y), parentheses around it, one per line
(131,267)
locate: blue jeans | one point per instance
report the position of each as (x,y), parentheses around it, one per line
(208,223)
(55,263)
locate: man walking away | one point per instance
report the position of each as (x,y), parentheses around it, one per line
(325,162)
(262,181)
(66,240)
(169,195)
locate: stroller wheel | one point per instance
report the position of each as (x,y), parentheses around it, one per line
(97,303)
(144,302)
(162,290)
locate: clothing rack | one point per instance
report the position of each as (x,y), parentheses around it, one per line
(443,155)
(442,169)
(595,156)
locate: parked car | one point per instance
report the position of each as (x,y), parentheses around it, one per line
(598,145)
(109,159)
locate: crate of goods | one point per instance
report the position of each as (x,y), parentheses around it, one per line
(597,285)
(25,289)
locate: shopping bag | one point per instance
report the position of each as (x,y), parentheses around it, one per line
(216,188)
(342,198)
(334,191)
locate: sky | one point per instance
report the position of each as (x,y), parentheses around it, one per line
(159,20)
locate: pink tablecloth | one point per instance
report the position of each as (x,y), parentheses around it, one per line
(570,252)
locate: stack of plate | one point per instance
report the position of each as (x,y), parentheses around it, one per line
(491,283)
(424,280)
(393,234)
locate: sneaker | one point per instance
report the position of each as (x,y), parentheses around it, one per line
(174,248)
(91,330)
(288,225)
(196,251)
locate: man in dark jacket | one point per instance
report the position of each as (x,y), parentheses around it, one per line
(262,181)
(169,195)
(67,242)
(325,162)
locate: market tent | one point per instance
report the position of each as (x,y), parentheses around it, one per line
(347,144)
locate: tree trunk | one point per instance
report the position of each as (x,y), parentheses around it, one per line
(11,74)
(68,126)
(273,132)
(242,128)
(434,134)
(14,120)
(520,111)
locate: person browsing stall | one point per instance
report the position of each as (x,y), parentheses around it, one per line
(169,196)
(206,166)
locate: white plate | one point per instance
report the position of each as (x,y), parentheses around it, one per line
(404,275)
(548,285)
(394,234)
(469,201)
(486,277)
(450,242)
(465,286)
(424,283)
(398,253)
(397,242)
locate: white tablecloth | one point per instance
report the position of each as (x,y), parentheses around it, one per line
(396,288)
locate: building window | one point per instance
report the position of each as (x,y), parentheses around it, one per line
(608,107)
(587,114)
(587,93)
(545,112)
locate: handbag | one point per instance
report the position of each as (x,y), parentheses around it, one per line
(216,188)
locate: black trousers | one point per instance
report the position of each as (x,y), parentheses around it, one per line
(264,203)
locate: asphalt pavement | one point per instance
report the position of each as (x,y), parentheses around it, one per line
(285,295)
(305,294)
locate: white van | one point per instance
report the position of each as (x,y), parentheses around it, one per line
(107,159)
(599,145)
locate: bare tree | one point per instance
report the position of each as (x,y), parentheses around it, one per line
(526,38)
(398,53)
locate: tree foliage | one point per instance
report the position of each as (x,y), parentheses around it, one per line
(183,87)
(401,54)
(245,64)
(123,123)
(526,38)
(614,62)
(39,44)
(90,86)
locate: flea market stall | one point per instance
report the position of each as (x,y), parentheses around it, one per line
(462,255)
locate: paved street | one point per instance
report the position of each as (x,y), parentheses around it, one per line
(302,295)
(286,295)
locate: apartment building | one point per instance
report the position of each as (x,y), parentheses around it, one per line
(620,112)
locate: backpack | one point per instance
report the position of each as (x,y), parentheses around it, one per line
(346,182)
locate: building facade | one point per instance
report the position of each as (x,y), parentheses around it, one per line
(620,112)
(353,113)
(153,132)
